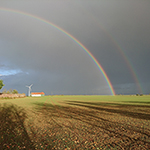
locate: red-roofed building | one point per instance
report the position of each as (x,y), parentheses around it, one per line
(36,94)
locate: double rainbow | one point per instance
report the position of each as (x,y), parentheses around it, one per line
(71,37)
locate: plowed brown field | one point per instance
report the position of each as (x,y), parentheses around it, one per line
(75,122)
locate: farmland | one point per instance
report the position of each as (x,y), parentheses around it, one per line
(75,122)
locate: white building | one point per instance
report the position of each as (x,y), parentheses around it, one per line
(37,94)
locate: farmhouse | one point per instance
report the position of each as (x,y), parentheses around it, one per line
(36,94)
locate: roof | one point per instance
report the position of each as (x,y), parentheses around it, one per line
(38,93)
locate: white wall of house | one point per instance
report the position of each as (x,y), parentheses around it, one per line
(36,95)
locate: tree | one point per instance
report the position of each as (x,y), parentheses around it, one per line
(14,92)
(1,84)
(10,91)
(4,91)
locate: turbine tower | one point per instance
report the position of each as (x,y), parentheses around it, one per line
(29,89)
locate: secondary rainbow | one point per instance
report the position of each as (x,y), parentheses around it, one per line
(121,51)
(70,36)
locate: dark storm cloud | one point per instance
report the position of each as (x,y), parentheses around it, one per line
(53,62)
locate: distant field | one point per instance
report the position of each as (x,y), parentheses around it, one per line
(135,100)
(75,122)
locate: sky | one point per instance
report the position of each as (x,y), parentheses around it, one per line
(116,33)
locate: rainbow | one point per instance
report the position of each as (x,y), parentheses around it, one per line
(122,53)
(129,65)
(71,37)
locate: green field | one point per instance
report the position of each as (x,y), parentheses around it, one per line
(75,122)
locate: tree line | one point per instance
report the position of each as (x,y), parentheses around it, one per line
(14,91)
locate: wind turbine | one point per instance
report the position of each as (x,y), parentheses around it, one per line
(29,89)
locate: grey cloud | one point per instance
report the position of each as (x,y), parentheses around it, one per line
(54,62)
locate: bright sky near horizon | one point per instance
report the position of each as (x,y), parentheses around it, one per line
(116,33)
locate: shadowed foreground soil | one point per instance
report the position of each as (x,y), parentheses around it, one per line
(75,125)
(13,134)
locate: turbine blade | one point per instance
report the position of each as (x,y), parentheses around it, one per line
(30,85)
